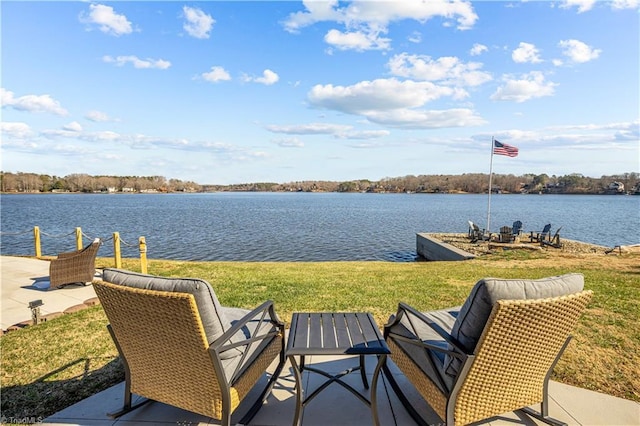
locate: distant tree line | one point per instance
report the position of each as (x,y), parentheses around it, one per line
(466,183)
(32,182)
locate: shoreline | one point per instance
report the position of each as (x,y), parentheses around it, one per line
(483,248)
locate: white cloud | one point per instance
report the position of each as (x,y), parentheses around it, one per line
(60,133)
(364,21)
(108,21)
(578,51)
(478,49)
(31,103)
(6,97)
(582,5)
(625,4)
(380,94)
(381,13)
(339,131)
(97,116)
(448,70)
(363,134)
(216,74)
(586,137)
(393,103)
(197,23)
(586,5)
(309,129)
(415,37)
(529,86)
(424,119)
(15,130)
(104,136)
(137,62)
(268,78)
(357,40)
(289,142)
(526,52)
(74,126)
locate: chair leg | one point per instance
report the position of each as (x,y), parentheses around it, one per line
(401,396)
(127,406)
(263,396)
(543,417)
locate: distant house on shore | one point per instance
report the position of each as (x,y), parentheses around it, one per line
(615,188)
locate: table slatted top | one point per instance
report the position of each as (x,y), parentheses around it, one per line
(335,333)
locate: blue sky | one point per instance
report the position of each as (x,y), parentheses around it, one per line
(284,91)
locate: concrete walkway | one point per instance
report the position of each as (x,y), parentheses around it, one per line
(336,406)
(333,406)
(23,280)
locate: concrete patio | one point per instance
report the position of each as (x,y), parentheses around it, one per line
(333,406)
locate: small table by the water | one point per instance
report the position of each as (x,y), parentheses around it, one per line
(335,333)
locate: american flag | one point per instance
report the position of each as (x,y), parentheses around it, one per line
(500,148)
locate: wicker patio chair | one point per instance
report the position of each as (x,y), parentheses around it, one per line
(493,355)
(180,347)
(75,267)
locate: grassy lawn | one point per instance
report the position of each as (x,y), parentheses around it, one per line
(57,363)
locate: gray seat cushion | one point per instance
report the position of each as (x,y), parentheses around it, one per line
(475,311)
(230,365)
(214,321)
(433,366)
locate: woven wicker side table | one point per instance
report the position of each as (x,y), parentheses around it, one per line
(335,333)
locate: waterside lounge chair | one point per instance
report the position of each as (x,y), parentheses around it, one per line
(516,228)
(506,234)
(538,237)
(494,354)
(475,233)
(180,347)
(553,241)
(75,267)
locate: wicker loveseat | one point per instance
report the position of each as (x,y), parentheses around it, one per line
(180,347)
(492,355)
(74,267)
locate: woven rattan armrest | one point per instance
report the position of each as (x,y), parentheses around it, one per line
(457,350)
(65,259)
(68,254)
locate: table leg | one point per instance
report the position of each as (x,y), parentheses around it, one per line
(297,419)
(363,372)
(382,359)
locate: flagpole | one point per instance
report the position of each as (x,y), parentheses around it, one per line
(489,198)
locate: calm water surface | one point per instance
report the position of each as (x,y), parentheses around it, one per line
(298,226)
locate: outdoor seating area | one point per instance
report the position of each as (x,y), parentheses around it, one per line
(208,358)
(190,360)
(514,235)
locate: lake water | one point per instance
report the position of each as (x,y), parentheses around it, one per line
(298,226)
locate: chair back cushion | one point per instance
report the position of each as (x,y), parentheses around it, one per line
(212,316)
(475,311)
